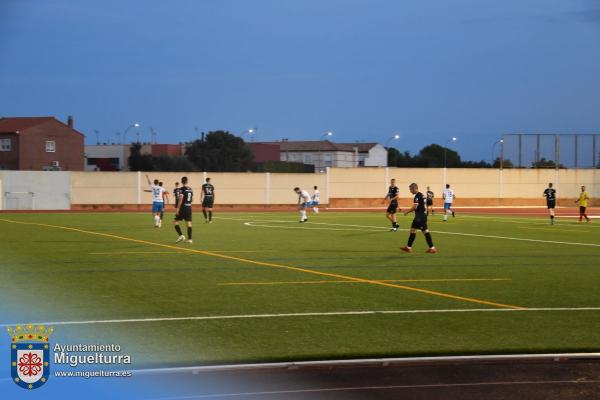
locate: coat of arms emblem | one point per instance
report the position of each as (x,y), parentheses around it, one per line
(30,355)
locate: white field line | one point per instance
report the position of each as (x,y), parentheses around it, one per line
(530,221)
(553,230)
(306,227)
(496,218)
(302,315)
(278,393)
(519,239)
(555,357)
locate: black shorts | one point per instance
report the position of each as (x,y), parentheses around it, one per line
(429,202)
(582,209)
(208,202)
(393,207)
(420,222)
(185,214)
(551,204)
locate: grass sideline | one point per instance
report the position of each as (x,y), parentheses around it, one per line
(97,267)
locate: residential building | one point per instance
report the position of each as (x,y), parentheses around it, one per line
(40,143)
(115,157)
(107,157)
(265,151)
(323,154)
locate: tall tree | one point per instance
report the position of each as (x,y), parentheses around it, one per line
(506,163)
(544,163)
(220,151)
(138,161)
(434,155)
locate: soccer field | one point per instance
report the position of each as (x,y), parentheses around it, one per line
(262,287)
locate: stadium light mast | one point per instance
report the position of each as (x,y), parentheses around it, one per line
(494,146)
(249,132)
(393,137)
(453,139)
(323,136)
(134,125)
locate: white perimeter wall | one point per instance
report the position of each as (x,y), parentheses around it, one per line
(58,190)
(35,190)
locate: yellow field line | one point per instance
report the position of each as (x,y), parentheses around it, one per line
(171,252)
(279,266)
(377,280)
(105,253)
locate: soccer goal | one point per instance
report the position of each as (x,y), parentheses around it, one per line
(19,200)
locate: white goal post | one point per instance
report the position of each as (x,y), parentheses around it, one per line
(19,201)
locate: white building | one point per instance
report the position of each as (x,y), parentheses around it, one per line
(323,154)
(110,157)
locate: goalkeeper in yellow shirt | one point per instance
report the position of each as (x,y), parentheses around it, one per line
(583,203)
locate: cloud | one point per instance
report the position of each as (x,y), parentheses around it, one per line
(484,20)
(591,15)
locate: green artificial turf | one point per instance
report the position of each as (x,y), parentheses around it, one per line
(118,266)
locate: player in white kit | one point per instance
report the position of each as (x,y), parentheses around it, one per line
(303,202)
(315,200)
(449,196)
(158,200)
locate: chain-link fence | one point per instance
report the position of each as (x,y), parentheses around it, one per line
(527,150)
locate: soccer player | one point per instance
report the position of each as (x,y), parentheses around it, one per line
(158,201)
(184,212)
(390,213)
(429,201)
(176,193)
(303,201)
(165,202)
(315,200)
(420,221)
(550,195)
(583,203)
(208,200)
(448,195)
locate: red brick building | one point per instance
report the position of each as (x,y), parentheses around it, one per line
(40,143)
(167,150)
(265,151)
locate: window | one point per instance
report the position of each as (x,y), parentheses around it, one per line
(361,160)
(50,146)
(328,160)
(5,145)
(307,158)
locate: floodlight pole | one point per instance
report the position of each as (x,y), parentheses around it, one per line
(520,150)
(319,144)
(134,125)
(537,151)
(494,146)
(502,153)
(576,145)
(556,151)
(594,151)
(453,139)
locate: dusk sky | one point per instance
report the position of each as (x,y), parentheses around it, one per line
(364,69)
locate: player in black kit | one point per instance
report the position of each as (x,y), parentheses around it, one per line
(390,213)
(420,221)
(208,200)
(429,200)
(184,212)
(176,193)
(550,195)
